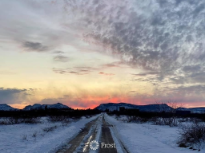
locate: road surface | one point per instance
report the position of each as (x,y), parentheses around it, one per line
(95,135)
(106,138)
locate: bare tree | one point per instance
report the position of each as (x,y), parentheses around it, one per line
(168,116)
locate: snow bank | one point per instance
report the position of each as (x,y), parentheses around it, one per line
(21,138)
(148,138)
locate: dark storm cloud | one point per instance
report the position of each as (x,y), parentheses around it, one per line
(61,58)
(35,46)
(13,95)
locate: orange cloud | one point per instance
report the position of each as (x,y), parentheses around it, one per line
(109,74)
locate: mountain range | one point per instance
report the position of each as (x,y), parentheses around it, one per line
(145,108)
(5,107)
(193,110)
(107,106)
(46,106)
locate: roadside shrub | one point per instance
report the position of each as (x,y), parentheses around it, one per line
(171,121)
(31,120)
(185,119)
(137,119)
(49,129)
(192,136)
(4,121)
(34,134)
(58,118)
(131,118)
(14,120)
(24,137)
(19,120)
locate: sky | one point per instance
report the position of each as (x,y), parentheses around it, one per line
(83,53)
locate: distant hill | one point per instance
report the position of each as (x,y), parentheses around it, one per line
(145,108)
(43,106)
(109,106)
(5,107)
(194,110)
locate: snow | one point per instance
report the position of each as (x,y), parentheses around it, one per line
(150,107)
(98,133)
(49,106)
(137,138)
(6,107)
(199,110)
(19,138)
(148,138)
(116,139)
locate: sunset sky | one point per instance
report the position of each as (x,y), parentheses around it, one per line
(86,52)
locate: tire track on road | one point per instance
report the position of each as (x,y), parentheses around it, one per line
(76,142)
(106,138)
(115,136)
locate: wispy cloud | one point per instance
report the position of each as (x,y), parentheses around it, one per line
(161,36)
(58,52)
(146,74)
(69,71)
(78,70)
(35,46)
(60,71)
(113,65)
(108,74)
(61,58)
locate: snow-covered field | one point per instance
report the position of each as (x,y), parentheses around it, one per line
(48,137)
(38,138)
(148,138)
